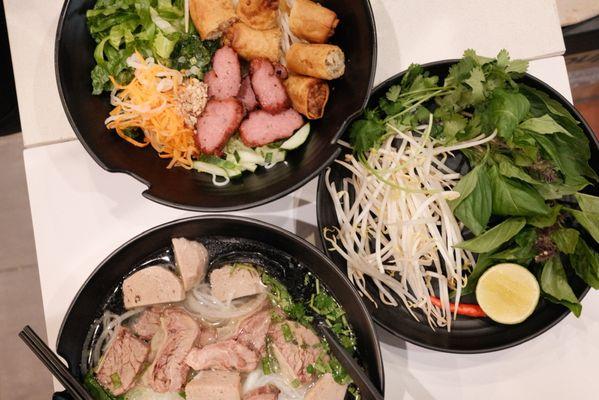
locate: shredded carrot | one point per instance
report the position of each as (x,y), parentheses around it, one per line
(141,104)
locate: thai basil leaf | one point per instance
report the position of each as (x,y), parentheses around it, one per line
(590,222)
(483,262)
(585,262)
(544,221)
(494,237)
(554,285)
(505,110)
(588,203)
(544,125)
(474,205)
(565,239)
(515,198)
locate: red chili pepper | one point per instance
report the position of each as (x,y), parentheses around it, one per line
(470,310)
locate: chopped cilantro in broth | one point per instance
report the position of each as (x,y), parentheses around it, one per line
(319,305)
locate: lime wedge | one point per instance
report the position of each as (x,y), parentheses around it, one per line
(508,293)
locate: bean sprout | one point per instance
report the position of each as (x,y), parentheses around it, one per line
(396,225)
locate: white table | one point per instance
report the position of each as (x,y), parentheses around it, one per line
(81,212)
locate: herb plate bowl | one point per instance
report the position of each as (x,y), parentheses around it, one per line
(468,335)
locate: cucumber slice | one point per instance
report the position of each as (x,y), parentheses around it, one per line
(213,169)
(298,138)
(250,156)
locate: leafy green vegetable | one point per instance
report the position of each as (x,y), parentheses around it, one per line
(588,203)
(483,262)
(585,262)
(565,239)
(515,198)
(547,220)
(154,28)
(505,110)
(543,125)
(589,221)
(474,205)
(555,287)
(281,298)
(494,237)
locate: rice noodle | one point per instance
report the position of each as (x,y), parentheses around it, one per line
(398,228)
(201,302)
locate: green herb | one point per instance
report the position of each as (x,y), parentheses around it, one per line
(585,262)
(96,390)
(287,333)
(116,380)
(295,383)
(555,287)
(474,205)
(154,28)
(280,297)
(269,361)
(494,237)
(182,394)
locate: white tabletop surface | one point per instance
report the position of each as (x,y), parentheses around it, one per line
(81,212)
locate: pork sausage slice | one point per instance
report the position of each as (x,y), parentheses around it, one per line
(268,87)
(217,123)
(224,79)
(261,128)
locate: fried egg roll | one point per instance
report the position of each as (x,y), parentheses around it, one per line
(212,17)
(324,61)
(252,43)
(258,14)
(311,21)
(308,95)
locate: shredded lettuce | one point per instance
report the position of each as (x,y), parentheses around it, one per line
(155,28)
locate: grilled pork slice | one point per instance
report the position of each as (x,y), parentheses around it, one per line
(214,385)
(168,371)
(224,79)
(217,123)
(147,323)
(152,285)
(266,392)
(229,283)
(227,355)
(268,87)
(296,354)
(191,259)
(326,388)
(122,362)
(253,330)
(246,95)
(262,128)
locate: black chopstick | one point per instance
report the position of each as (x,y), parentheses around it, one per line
(53,363)
(362,381)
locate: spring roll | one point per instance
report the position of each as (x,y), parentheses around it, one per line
(252,43)
(258,14)
(308,95)
(212,17)
(311,21)
(324,61)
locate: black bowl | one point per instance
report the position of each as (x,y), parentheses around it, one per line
(180,188)
(468,335)
(279,252)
